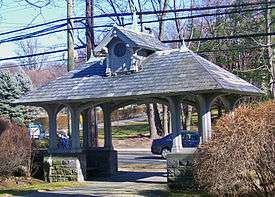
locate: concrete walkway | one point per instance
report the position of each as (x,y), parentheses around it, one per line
(144,183)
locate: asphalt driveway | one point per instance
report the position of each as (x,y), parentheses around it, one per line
(140,174)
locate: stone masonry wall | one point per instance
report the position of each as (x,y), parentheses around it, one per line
(60,168)
(180,172)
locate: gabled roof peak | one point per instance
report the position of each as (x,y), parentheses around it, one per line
(133,31)
(140,39)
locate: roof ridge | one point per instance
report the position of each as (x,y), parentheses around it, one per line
(209,72)
(133,31)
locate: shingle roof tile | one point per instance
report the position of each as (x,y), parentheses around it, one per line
(170,71)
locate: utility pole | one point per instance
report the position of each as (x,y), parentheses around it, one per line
(270,39)
(90,44)
(70,45)
(70,36)
(89,27)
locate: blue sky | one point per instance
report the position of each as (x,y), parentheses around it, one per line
(16,14)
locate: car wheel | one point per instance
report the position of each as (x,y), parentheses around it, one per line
(164,152)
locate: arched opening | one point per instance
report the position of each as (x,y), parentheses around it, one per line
(132,137)
(130,127)
(63,129)
(38,128)
(189,117)
(91,128)
(218,109)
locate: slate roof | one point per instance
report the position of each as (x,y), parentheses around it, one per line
(168,71)
(141,39)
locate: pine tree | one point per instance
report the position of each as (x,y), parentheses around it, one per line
(23,82)
(11,88)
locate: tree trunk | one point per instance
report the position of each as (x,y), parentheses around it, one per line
(151,121)
(162,16)
(183,116)
(189,117)
(165,118)
(158,120)
(269,29)
(170,122)
(92,121)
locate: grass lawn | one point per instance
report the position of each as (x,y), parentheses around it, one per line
(11,188)
(127,131)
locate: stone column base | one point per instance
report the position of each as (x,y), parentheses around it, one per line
(179,170)
(64,167)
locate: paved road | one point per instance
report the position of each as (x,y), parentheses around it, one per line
(150,181)
(139,157)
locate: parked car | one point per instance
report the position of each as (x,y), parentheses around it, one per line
(163,146)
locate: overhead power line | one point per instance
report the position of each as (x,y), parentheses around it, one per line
(205,15)
(141,13)
(49,30)
(199,52)
(44,33)
(30,35)
(38,54)
(185,9)
(222,37)
(165,41)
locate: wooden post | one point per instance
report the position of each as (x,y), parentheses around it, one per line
(89,27)
(70,36)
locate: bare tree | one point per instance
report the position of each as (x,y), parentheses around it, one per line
(39,5)
(30,47)
(270,26)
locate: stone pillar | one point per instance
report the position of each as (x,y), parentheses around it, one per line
(175,110)
(52,111)
(180,170)
(205,117)
(75,129)
(86,129)
(107,127)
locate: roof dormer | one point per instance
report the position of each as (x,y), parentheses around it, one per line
(125,49)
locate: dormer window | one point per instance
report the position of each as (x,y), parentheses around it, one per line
(126,49)
(120,49)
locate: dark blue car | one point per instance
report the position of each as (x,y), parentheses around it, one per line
(164,145)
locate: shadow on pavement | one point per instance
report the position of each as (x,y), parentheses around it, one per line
(139,177)
(47,194)
(149,157)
